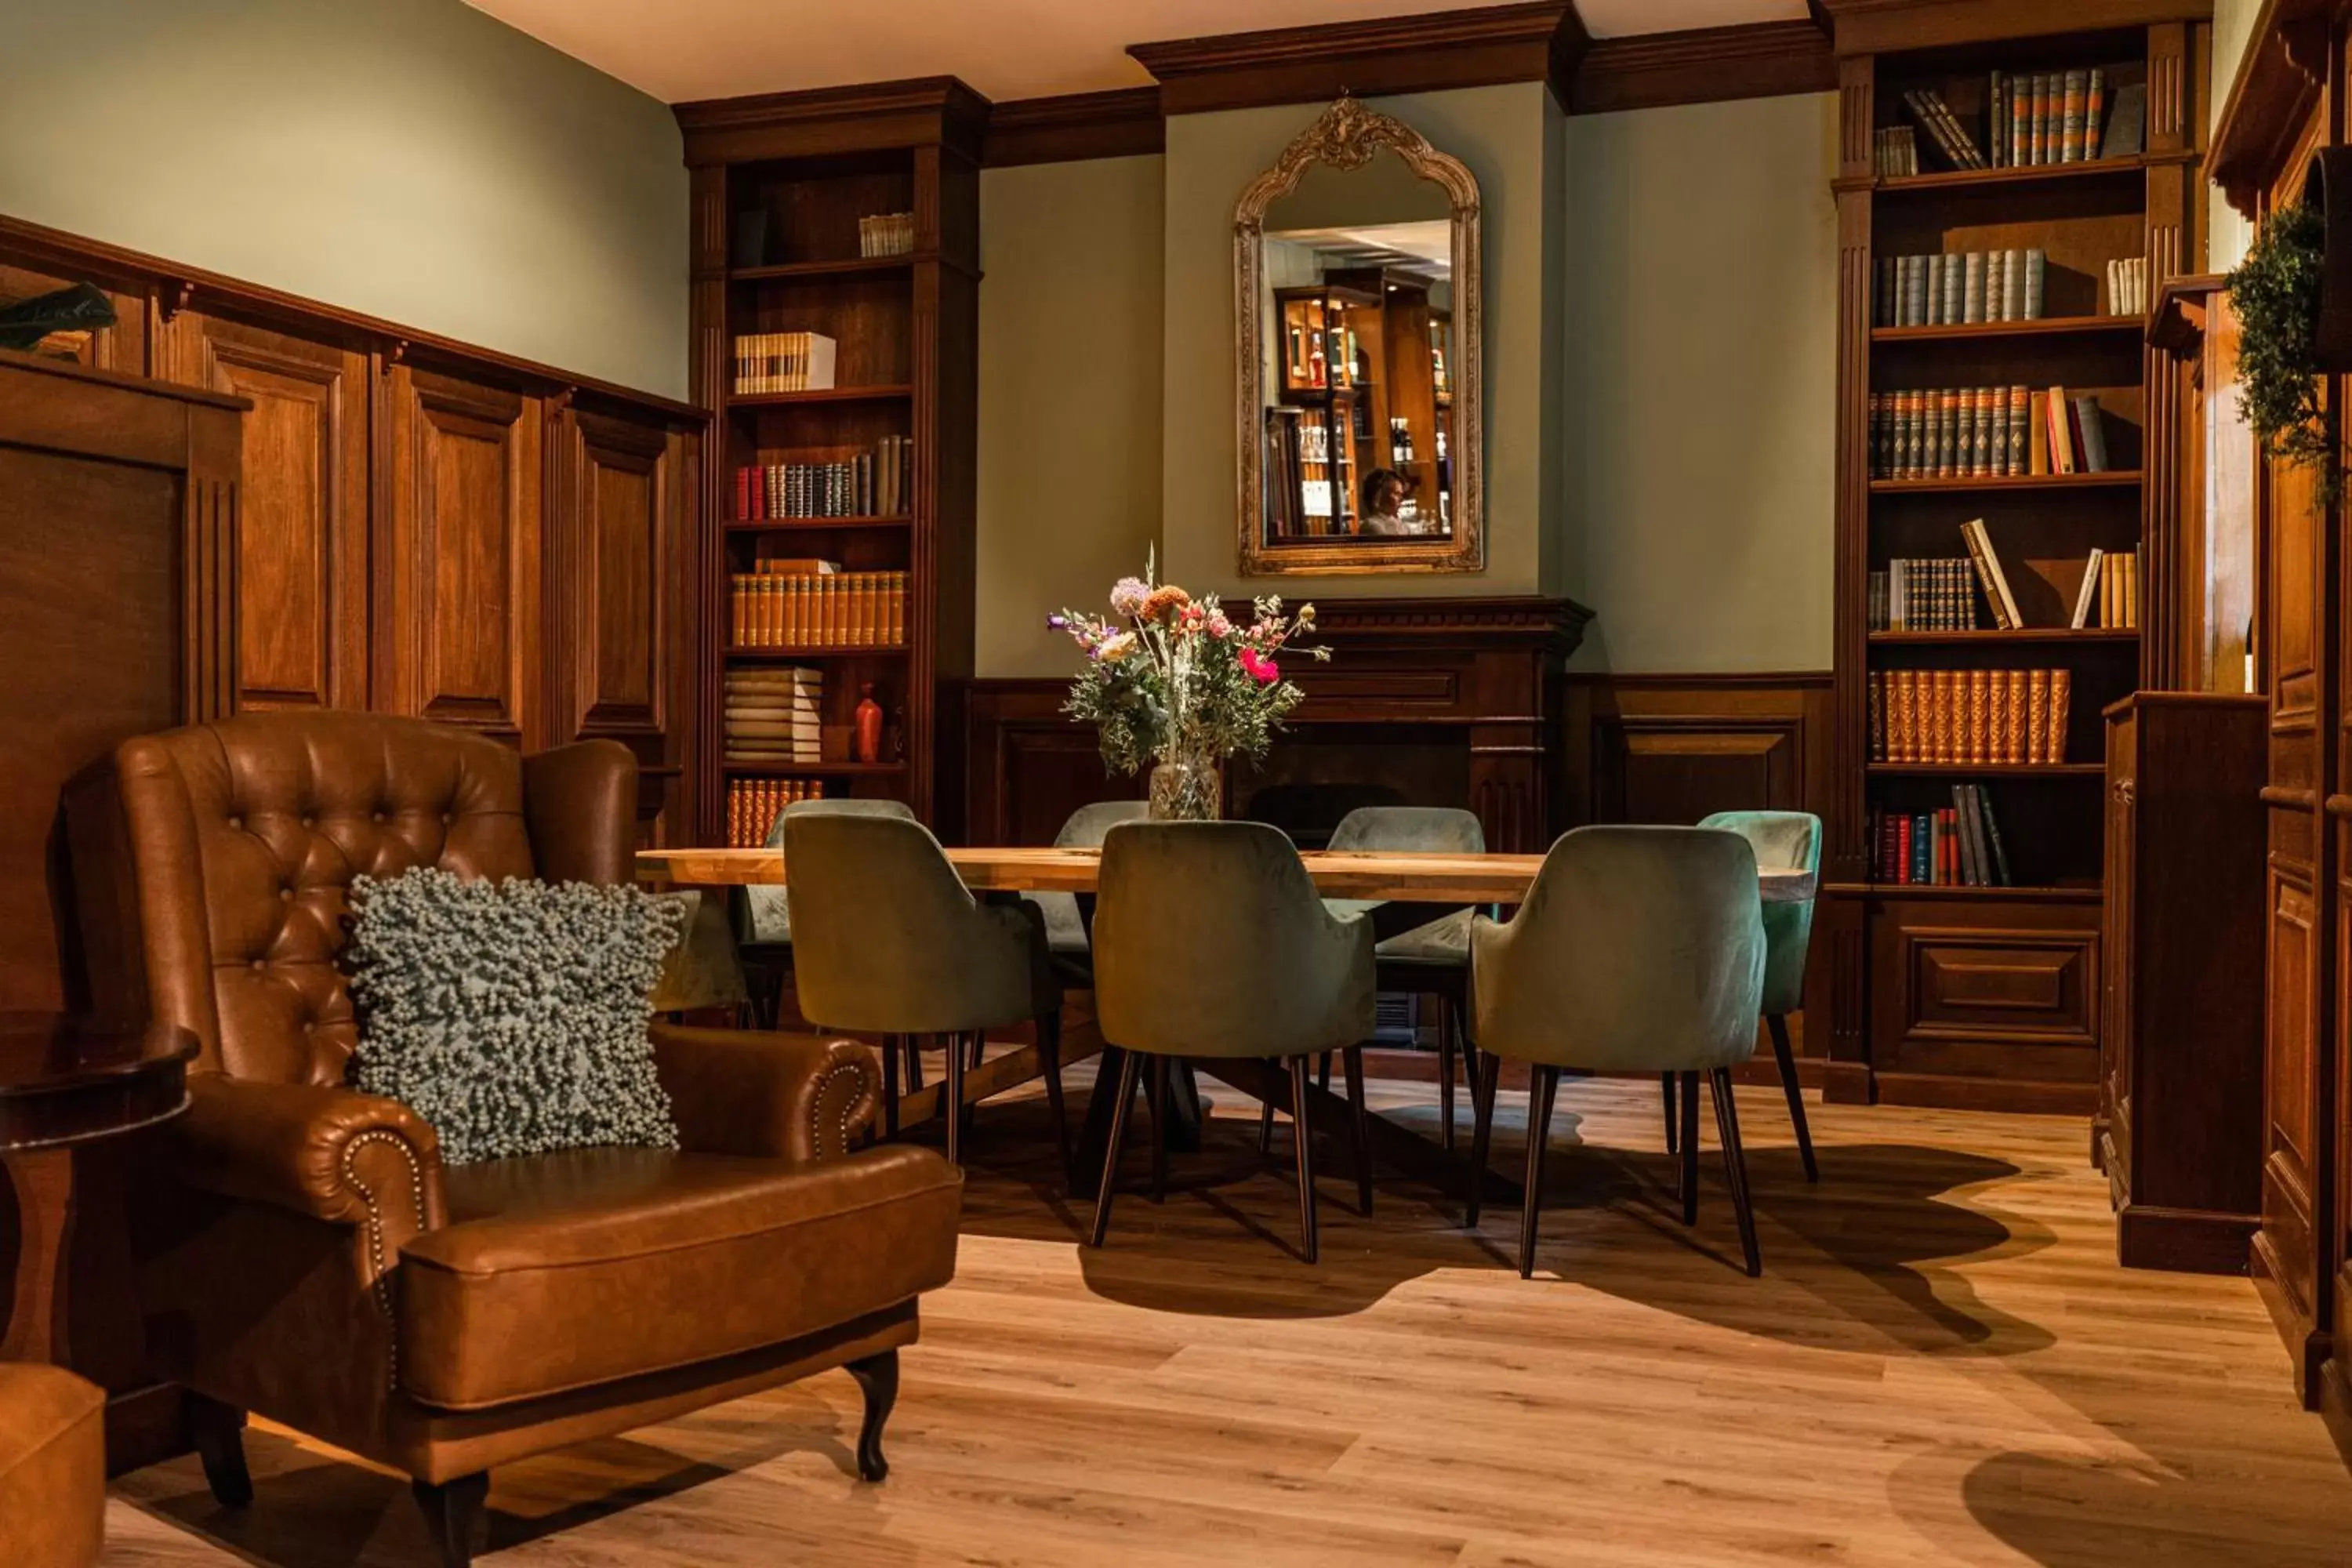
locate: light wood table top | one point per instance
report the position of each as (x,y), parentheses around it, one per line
(1339,874)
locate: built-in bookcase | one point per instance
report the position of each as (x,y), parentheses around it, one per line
(1989,993)
(873,473)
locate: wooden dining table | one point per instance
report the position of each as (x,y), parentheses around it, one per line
(1395,876)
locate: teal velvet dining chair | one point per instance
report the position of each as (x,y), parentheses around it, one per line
(1066,928)
(1779,838)
(1210,943)
(1638,950)
(888,941)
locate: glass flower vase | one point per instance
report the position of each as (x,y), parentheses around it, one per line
(1186,787)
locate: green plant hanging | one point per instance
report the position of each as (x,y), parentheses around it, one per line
(2275,292)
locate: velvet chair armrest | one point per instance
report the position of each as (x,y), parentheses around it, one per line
(579,804)
(326,1152)
(786,1097)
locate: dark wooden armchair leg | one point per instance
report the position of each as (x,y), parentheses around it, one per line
(453,1515)
(1778,1023)
(1353,1058)
(1304,1141)
(220,1444)
(1688,1179)
(1124,1095)
(1735,1164)
(1482,1131)
(878,1380)
(1540,1094)
(1667,1083)
(1049,1058)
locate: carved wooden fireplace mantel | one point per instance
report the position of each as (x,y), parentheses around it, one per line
(1426,702)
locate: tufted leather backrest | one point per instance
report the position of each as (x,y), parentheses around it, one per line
(243,836)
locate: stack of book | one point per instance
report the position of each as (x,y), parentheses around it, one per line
(753,806)
(815,604)
(1969,717)
(1922,596)
(844,481)
(2110,591)
(1893,151)
(887,234)
(1959,290)
(783,362)
(2128,286)
(774,716)
(1980,432)
(1958,846)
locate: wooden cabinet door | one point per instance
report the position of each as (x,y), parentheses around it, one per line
(615,590)
(457,634)
(301,609)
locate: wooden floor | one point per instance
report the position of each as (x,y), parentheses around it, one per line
(1942,1365)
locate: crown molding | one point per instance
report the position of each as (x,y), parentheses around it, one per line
(1891,26)
(931,110)
(1705,65)
(1542,41)
(2278,88)
(1073,126)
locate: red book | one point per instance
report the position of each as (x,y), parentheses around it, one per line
(744,494)
(1903,850)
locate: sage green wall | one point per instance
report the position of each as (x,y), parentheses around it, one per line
(2227,234)
(1069,397)
(410,159)
(1505,135)
(1698,442)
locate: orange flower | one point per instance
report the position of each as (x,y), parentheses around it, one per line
(1163,602)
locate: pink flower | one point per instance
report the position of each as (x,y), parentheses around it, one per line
(1219,626)
(1262,670)
(1127,595)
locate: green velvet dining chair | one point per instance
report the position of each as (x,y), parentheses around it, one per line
(764,914)
(1065,927)
(1786,839)
(1638,951)
(887,940)
(1210,943)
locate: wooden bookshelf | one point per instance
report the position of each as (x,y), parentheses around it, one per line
(779,183)
(1990,996)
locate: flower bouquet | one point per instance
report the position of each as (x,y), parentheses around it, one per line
(1174,681)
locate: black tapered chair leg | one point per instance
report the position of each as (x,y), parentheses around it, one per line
(1667,1083)
(1778,1023)
(952,1101)
(1049,1060)
(1122,1097)
(1159,1118)
(1304,1143)
(1481,1132)
(1541,1091)
(1446,1052)
(1353,1058)
(453,1513)
(979,1055)
(1265,1116)
(1688,1099)
(1735,1164)
(1323,1074)
(220,1443)
(913,1046)
(878,1380)
(890,1086)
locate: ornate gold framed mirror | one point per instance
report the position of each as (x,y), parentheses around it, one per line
(1361,415)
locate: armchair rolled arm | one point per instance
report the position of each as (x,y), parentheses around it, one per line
(323,1151)
(788,1097)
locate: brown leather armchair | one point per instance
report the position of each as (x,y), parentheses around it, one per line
(52,1466)
(315,1262)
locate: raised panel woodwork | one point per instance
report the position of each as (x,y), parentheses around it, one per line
(462,553)
(1671,748)
(624,547)
(1973,984)
(302,541)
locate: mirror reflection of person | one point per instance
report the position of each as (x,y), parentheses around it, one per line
(1382,497)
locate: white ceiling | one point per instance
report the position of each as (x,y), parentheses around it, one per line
(680,49)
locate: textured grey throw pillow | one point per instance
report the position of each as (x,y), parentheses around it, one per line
(511,1016)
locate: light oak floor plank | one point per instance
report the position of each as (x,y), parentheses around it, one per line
(1942,1365)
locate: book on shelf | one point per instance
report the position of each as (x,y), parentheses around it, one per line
(1959,845)
(829,481)
(783,362)
(2127,123)
(1894,152)
(1990,577)
(2041,118)
(815,604)
(1951,139)
(1965,718)
(753,806)
(2128,286)
(1958,290)
(1984,432)
(887,234)
(1924,596)
(773,715)
(2087,594)
(2117,576)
